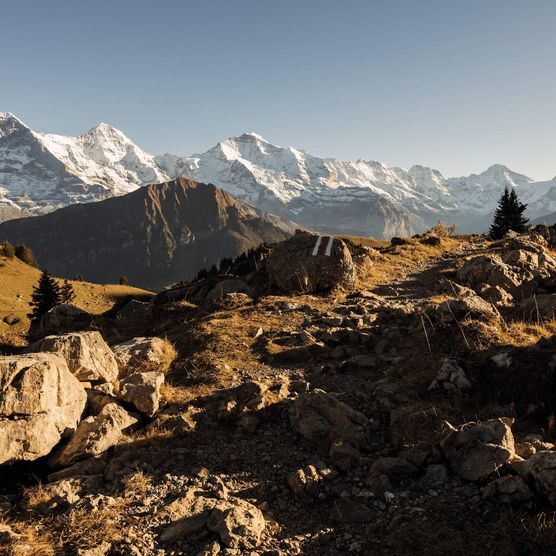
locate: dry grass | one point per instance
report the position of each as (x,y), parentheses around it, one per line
(82,529)
(523,334)
(398,259)
(136,484)
(17,280)
(167,356)
(33,539)
(35,496)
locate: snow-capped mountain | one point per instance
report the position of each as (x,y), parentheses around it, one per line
(356,197)
(39,172)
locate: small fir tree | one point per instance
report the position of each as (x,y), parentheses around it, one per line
(46,295)
(508,216)
(67,293)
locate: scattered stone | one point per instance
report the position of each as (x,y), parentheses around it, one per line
(542,467)
(508,490)
(143,391)
(475,452)
(95,435)
(451,377)
(143,354)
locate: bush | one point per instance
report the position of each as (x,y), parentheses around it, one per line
(441,230)
(124,281)
(7,250)
(25,254)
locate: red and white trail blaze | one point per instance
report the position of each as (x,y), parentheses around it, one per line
(323,246)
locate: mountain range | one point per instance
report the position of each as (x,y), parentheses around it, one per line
(41,172)
(155,236)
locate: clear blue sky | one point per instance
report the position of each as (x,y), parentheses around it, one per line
(454,84)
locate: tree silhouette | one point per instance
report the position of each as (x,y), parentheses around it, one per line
(46,295)
(508,216)
(67,293)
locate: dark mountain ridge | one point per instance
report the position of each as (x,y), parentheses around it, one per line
(156,235)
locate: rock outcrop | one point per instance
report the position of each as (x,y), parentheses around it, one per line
(310,263)
(95,435)
(88,356)
(40,403)
(143,354)
(143,391)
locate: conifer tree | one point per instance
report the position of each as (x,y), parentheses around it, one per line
(67,293)
(508,216)
(46,295)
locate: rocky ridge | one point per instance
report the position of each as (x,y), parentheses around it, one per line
(403,415)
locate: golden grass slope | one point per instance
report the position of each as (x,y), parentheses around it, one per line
(16,286)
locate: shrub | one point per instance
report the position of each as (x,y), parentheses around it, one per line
(25,254)
(7,250)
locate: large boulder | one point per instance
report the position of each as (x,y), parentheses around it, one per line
(143,354)
(310,263)
(40,402)
(95,435)
(475,452)
(143,391)
(88,356)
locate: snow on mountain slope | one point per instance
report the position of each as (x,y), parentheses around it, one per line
(39,172)
(298,185)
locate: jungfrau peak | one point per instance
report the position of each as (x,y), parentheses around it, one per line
(40,172)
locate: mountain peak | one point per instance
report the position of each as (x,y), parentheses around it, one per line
(252,136)
(10,123)
(105,130)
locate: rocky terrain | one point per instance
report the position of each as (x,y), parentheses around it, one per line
(154,236)
(387,398)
